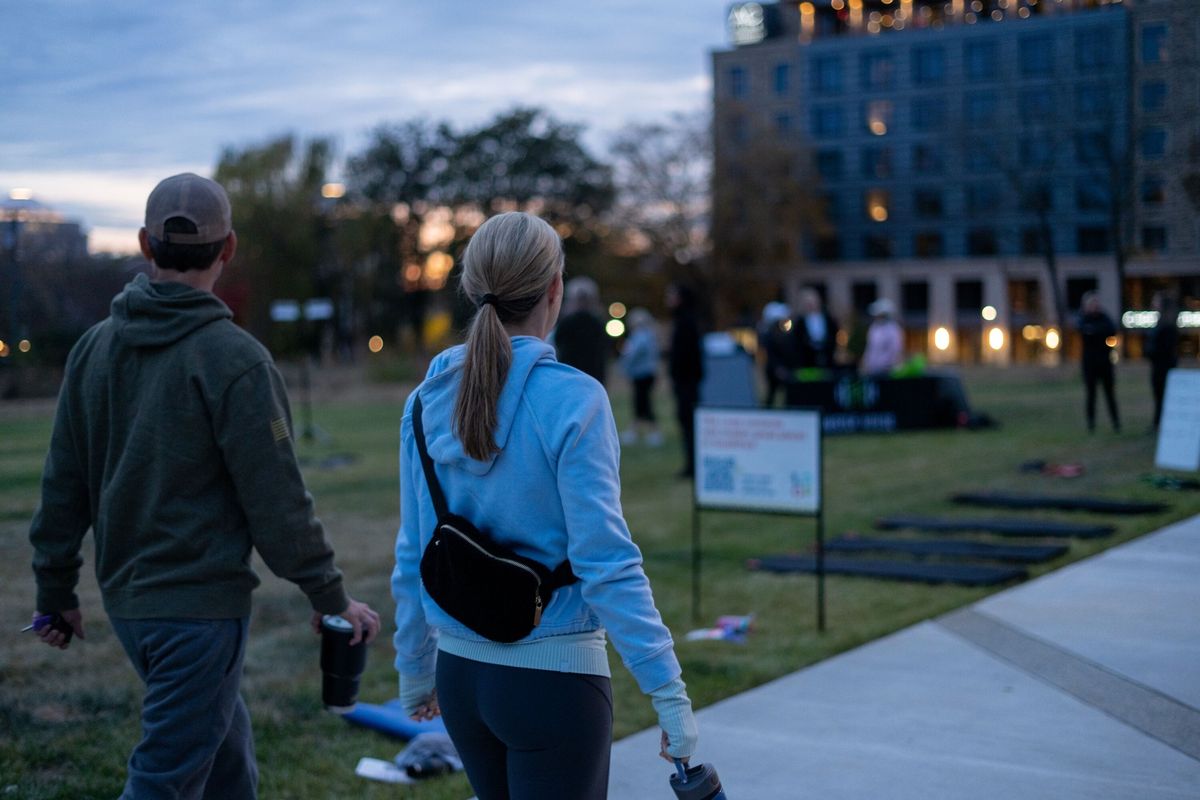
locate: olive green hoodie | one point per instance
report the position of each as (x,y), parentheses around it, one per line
(172,441)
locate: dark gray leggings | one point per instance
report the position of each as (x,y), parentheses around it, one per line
(527,734)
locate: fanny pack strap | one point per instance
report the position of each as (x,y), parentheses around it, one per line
(435,488)
(558,577)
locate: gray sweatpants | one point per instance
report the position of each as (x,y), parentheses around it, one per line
(196,738)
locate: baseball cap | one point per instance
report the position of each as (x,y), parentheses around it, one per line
(198,200)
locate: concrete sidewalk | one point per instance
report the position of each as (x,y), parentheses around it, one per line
(1082,684)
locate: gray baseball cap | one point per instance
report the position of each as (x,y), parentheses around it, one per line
(199,200)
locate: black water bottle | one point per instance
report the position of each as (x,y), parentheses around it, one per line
(342,664)
(696,783)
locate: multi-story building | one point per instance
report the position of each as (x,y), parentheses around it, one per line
(959,148)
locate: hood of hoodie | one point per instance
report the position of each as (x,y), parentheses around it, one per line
(440,390)
(154,314)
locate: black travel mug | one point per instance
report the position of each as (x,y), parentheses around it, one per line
(342,664)
(696,783)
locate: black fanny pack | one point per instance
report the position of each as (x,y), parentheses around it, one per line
(484,585)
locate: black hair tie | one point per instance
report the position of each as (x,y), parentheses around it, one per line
(489,299)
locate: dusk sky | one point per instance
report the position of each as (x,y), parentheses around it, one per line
(98,101)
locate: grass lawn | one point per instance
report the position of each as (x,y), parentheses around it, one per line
(68,719)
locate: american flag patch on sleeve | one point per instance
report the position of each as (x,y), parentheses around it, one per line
(279,429)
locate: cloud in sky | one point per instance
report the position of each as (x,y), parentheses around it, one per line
(99,100)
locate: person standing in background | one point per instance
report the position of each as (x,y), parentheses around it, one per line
(639,360)
(885,339)
(580,339)
(814,333)
(686,361)
(1162,348)
(773,338)
(1097,328)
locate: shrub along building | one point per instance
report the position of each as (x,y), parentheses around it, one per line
(981,163)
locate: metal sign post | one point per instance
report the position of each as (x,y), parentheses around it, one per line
(766,461)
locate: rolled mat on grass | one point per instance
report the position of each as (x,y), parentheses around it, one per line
(1003,527)
(919,571)
(954,548)
(1098,504)
(390,718)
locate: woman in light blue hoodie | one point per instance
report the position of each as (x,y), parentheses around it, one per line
(526,449)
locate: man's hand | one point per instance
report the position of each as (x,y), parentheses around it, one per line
(56,638)
(360,615)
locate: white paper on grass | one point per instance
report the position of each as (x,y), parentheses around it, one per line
(376,769)
(1179,428)
(760,459)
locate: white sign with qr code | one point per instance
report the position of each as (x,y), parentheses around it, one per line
(758,459)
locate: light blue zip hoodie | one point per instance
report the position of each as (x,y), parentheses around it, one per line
(551,493)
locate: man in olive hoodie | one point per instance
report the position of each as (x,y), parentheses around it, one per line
(172,442)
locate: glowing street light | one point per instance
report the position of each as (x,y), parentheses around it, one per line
(1053,340)
(614,328)
(996,339)
(375,344)
(941,339)
(616,310)
(988,313)
(24,346)
(333,191)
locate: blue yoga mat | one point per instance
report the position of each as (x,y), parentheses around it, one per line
(389,718)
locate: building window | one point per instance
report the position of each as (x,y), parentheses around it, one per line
(982,242)
(876,204)
(1036,152)
(876,246)
(1031,242)
(982,198)
(1154,43)
(878,70)
(979,107)
(927,202)
(1091,239)
(1154,239)
(864,293)
(826,75)
(827,248)
(1093,48)
(828,121)
(1091,195)
(1037,55)
(914,297)
(783,123)
(877,116)
(1038,197)
(739,85)
(929,64)
(1154,190)
(1091,148)
(979,162)
(739,129)
(830,164)
(981,59)
(968,296)
(1037,105)
(783,77)
(929,244)
(1154,142)
(1154,96)
(877,162)
(927,159)
(928,113)
(831,203)
(1092,101)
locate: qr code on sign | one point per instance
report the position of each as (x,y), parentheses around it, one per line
(718,474)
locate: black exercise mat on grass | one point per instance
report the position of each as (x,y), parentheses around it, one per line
(1019,554)
(1003,527)
(1097,504)
(961,574)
